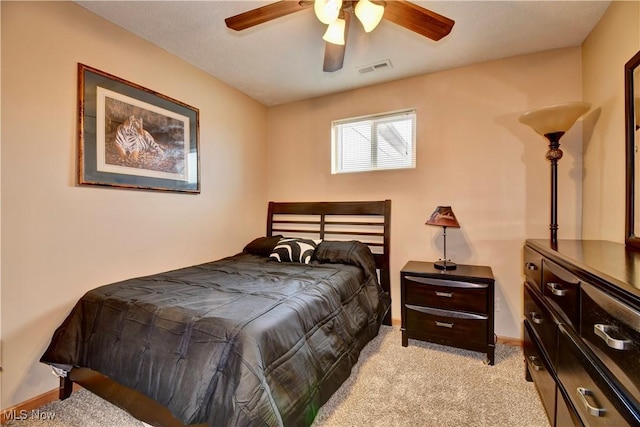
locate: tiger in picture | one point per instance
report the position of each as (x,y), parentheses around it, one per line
(132,139)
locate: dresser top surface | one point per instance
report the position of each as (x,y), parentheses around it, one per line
(608,261)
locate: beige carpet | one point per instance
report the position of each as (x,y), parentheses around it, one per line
(420,385)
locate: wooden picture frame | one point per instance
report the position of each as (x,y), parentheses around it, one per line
(133,137)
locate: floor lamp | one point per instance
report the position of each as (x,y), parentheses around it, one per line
(552,122)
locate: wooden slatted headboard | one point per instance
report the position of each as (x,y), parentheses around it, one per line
(368,222)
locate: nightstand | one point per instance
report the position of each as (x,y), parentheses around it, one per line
(450,307)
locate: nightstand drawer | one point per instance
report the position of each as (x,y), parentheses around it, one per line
(446,294)
(447,327)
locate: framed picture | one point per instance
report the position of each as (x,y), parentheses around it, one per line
(133,137)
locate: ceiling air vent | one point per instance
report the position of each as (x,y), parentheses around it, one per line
(378,66)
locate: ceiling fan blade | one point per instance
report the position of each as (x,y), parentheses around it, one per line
(265,13)
(334,53)
(418,19)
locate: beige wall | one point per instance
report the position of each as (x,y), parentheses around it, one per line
(610,45)
(472,154)
(58,239)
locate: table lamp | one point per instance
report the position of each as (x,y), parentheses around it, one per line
(444,217)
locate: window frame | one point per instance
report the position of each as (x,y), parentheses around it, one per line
(377,119)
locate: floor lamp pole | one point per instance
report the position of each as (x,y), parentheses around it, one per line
(553,155)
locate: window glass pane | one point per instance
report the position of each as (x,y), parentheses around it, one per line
(356,146)
(377,142)
(394,144)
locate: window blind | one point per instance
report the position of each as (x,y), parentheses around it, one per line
(376,142)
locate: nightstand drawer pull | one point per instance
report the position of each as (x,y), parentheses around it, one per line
(446,313)
(536,318)
(535,362)
(593,410)
(444,324)
(603,332)
(444,294)
(557,289)
(531,266)
(446,283)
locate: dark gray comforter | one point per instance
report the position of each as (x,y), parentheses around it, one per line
(240,341)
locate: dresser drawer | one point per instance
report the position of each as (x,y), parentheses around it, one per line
(561,288)
(533,267)
(541,321)
(540,372)
(447,327)
(566,414)
(446,294)
(611,329)
(596,403)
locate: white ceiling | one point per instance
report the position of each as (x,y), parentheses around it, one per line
(281,61)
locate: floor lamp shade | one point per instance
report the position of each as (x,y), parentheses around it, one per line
(555,118)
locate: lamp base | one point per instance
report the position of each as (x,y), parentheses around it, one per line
(445,265)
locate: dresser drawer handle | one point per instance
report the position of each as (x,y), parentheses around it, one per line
(603,332)
(531,266)
(593,410)
(536,318)
(444,294)
(535,362)
(444,324)
(557,289)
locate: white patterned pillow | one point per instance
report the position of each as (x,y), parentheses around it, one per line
(294,250)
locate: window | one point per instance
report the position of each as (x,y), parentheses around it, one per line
(377,142)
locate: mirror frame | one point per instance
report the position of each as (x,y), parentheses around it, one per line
(631,240)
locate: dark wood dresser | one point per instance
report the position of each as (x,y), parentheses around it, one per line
(450,307)
(582,331)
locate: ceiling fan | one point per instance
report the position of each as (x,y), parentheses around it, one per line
(337,13)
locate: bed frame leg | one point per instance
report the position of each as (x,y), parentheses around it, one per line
(66,387)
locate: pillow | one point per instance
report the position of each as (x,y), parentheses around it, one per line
(262,246)
(294,250)
(346,252)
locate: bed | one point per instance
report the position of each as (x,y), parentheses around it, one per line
(250,339)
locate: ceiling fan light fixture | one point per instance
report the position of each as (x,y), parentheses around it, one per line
(335,32)
(327,11)
(369,14)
